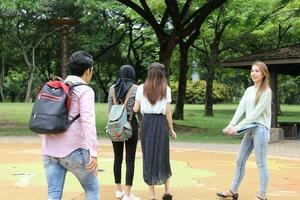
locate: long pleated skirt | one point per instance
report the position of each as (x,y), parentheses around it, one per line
(155,149)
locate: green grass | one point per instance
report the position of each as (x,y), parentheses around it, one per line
(212,126)
(196,127)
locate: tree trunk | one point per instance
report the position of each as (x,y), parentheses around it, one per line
(30,66)
(165,54)
(13,96)
(209,91)
(29,87)
(2,72)
(183,69)
(212,62)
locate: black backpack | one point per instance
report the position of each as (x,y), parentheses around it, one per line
(51,108)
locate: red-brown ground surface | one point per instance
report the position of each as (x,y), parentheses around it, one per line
(197,175)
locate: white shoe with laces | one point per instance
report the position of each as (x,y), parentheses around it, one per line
(131,197)
(119,194)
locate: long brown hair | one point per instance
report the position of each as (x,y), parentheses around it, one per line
(265,81)
(155,85)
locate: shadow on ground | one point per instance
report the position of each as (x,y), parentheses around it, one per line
(197,175)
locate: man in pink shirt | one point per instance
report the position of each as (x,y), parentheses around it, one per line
(75,150)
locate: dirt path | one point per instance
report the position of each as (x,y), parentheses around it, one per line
(199,170)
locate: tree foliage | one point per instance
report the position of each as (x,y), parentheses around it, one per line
(117,34)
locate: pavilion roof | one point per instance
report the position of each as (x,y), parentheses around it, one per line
(285,60)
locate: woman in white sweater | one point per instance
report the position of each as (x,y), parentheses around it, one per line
(256,103)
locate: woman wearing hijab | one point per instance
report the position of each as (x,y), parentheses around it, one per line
(121,88)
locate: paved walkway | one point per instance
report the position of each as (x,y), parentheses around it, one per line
(199,171)
(284,148)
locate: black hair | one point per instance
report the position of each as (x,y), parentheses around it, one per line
(127,71)
(80,61)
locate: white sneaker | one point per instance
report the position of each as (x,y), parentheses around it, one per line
(131,197)
(119,194)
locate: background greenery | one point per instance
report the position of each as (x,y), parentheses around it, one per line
(196,127)
(195,92)
(115,34)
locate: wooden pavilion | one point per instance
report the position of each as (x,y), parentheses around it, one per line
(284,60)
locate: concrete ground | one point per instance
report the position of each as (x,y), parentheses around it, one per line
(199,171)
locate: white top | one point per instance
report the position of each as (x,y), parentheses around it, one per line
(147,108)
(259,113)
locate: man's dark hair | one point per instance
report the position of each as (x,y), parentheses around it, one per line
(80,61)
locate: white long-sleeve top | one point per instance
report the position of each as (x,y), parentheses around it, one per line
(259,113)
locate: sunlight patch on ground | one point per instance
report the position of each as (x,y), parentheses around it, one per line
(24,174)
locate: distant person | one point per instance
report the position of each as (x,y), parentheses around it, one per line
(120,89)
(153,100)
(75,150)
(256,103)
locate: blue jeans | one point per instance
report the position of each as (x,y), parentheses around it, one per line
(56,169)
(258,138)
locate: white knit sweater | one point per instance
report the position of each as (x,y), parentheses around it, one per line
(259,113)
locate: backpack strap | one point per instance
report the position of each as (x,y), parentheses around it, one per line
(73,120)
(128,96)
(126,100)
(114,95)
(71,87)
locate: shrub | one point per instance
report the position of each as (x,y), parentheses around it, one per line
(195,93)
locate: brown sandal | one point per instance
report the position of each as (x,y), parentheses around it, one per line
(167,197)
(234,196)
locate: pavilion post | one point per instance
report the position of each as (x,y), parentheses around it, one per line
(64,23)
(64,51)
(274,120)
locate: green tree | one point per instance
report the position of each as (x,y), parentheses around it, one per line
(236,21)
(24,25)
(178,23)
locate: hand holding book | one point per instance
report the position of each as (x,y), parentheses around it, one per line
(231,130)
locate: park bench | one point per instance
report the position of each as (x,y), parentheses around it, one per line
(291,129)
